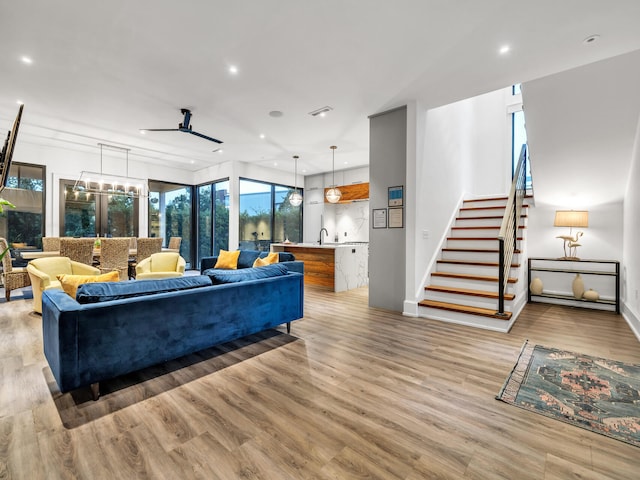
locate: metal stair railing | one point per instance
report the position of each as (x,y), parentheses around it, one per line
(508,236)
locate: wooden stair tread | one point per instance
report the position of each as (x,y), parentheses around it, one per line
(478,238)
(476,264)
(468,291)
(487,199)
(466,276)
(475,250)
(482,227)
(485,312)
(487,217)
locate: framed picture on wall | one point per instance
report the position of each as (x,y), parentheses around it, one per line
(396,196)
(396,217)
(379,218)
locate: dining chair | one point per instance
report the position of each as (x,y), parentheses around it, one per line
(12,277)
(174,243)
(145,248)
(50,244)
(114,255)
(78,249)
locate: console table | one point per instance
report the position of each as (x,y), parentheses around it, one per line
(590,269)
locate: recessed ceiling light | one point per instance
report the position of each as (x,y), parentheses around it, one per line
(591,39)
(275,113)
(233,69)
(346,163)
(26,60)
(192,162)
(504,49)
(275,164)
(262,135)
(304,170)
(19,102)
(220,151)
(142,132)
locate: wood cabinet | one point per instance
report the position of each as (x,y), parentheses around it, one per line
(358,191)
(605,273)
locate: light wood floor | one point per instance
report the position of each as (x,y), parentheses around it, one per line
(352,393)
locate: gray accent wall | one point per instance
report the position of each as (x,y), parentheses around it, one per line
(387,246)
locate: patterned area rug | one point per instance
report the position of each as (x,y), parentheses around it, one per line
(594,393)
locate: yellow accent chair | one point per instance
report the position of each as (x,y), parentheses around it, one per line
(161,265)
(43,274)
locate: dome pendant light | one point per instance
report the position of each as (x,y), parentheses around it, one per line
(295,199)
(334,194)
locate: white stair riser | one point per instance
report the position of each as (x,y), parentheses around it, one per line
(469,284)
(476,256)
(473,269)
(484,211)
(478,222)
(478,232)
(484,203)
(489,243)
(464,319)
(468,300)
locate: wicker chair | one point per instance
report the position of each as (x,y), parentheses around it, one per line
(13,278)
(145,248)
(114,255)
(77,249)
(51,244)
(174,243)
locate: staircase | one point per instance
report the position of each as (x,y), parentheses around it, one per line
(464,286)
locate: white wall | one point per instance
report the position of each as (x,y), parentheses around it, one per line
(630,254)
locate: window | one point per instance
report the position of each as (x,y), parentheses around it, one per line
(25,189)
(266,216)
(170,214)
(213,218)
(519,138)
(85,214)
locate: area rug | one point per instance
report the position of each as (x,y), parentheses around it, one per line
(593,393)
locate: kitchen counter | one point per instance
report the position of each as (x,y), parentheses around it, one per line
(338,266)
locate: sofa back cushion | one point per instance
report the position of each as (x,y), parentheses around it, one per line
(245,274)
(105,292)
(247,257)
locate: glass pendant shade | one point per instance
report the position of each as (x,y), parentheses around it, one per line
(334,194)
(295,199)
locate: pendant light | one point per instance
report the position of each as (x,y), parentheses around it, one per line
(334,194)
(295,199)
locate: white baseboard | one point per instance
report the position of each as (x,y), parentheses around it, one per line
(410,309)
(632,320)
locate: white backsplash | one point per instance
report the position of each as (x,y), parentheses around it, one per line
(350,218)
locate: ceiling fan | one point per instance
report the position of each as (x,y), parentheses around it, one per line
(185,126)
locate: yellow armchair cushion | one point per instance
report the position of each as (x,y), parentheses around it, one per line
(268,260)
(70,283)
(227,260)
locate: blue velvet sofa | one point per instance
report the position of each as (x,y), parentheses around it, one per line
(247,257)
(111,329)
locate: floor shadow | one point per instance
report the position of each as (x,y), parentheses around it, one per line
(77,407)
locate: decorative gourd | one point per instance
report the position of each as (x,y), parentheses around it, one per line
(536,286)
(591,295)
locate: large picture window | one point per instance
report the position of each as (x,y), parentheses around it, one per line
(267,216)
(24,225)
(213,218)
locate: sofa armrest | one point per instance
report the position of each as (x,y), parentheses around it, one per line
(294,266)
(207,263)
(182,265)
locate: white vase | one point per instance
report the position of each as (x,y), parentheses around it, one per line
(536,286)
(591,295)
(578,286)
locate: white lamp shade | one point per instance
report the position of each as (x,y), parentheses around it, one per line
(333,195)
(295,199)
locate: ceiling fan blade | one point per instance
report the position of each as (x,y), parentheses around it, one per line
(160,129)
(204,136)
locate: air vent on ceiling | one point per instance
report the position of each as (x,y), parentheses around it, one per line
(320,111)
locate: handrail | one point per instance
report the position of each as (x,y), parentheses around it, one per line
(508,236)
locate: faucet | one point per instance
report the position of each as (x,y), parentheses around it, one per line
(326,232)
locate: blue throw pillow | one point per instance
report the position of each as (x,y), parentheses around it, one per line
(219,276)
(282,256)
(247,257)
(105,292)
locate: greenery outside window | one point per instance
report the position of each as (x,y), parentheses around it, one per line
(213,218)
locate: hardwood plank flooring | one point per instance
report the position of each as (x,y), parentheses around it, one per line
(353,392)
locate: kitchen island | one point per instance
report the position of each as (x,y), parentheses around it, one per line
(338,266)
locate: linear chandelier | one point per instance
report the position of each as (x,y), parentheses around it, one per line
(99,183)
